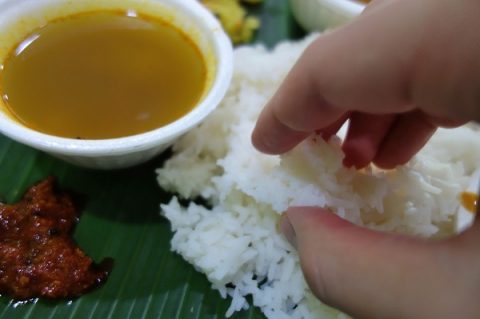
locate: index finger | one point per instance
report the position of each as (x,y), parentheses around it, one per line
(361,67)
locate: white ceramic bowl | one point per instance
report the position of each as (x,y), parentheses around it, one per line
(188,15)
(318,15)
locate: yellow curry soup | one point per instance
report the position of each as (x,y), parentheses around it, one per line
(102,75)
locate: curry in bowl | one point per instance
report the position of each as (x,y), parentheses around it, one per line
(102,75)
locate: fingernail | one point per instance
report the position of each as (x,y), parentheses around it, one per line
(287,230)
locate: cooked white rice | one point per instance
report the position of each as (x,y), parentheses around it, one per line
(236,242)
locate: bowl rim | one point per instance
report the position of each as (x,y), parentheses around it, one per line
(223,50)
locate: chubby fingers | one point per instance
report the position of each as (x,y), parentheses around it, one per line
(387,140)
(375,275)
(362,67)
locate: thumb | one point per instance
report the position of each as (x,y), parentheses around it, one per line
(370,274)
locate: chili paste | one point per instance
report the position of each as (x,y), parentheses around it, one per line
(38,257)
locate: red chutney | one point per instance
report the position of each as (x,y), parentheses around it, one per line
(38,257)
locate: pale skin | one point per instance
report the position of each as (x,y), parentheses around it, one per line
(399,71)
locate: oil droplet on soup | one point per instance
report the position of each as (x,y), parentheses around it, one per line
(103,75)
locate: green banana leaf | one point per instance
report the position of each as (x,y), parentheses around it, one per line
(121,220)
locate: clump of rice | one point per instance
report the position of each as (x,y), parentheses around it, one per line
(235,241)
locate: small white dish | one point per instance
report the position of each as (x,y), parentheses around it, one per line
(318,15)
(188,15)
